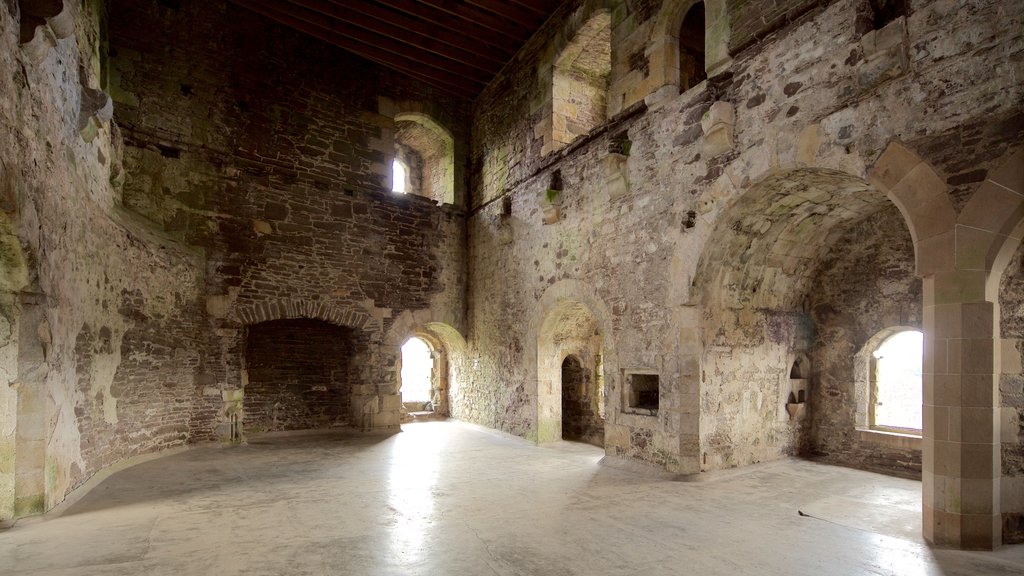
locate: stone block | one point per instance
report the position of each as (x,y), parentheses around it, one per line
(390,403)
(885,54)
(992,208)
(1010,356)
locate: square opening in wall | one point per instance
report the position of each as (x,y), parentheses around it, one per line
(642,393)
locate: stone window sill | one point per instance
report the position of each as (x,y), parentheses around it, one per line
(894,439)
(641,411)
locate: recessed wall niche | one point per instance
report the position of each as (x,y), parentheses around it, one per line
(642,392)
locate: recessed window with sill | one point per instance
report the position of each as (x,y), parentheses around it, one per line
(580,82)
(889,382)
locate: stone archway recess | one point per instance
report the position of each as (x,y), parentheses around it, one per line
(960,259)
(444,340)
(544,359)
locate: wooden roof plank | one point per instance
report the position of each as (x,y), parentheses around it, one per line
(518,31)
(375,41)
(413,9)
(508,10)
(409,41)
(400,22)
(451,83)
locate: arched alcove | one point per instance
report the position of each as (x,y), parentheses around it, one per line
(447,350)
(755,278)
(299,375)
(570,330)
(426,151)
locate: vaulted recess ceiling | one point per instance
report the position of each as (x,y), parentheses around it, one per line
(455,45)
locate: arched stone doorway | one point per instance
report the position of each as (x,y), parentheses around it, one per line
(571,334)
(582,402)
(423,379)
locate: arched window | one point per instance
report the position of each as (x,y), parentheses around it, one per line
(399,177)
(887,381)
(426,151)
(580,82)
(691,48)
(417,370)
(897,392)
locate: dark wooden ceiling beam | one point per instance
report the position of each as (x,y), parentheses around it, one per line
(413,9)
(543,7)
(472,16)
(376,41)
(372,16)
(507,10)
(464,87)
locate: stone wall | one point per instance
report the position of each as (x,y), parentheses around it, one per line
(245,177)
(698,250)
(103,313)
(279,168)
(298,373)
(866,285)
(1011,394)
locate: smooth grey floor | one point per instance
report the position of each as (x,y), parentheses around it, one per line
(445,498)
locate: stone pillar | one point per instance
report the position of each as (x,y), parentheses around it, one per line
(960,258)
(961,473)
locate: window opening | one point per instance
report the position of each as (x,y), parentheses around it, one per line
(642,394)
(399,177)
(580,82)
(691,48)
(417,371)
(898,383)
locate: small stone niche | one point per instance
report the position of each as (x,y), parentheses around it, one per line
(796,401)
(643,391)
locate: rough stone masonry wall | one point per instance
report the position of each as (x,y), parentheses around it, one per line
(114,309)
(805,98)
(867,284)
(272,152)
(298,375)
(1011,388)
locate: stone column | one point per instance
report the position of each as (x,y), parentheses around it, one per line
(961,473)
(960,258)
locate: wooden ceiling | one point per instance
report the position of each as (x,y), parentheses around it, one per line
(455,45)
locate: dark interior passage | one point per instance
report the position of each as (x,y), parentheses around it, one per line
(580,418)
(298,375)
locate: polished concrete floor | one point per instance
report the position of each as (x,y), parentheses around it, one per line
(445,498)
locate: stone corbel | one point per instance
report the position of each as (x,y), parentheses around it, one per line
(616,174)
(885,54)
(550,205)
(97,109)
(43,24)
(718,123)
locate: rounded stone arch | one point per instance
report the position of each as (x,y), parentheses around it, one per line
(899,175)
(664,44)
(562,303)
(447,346)
(269,311)
(864,373)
